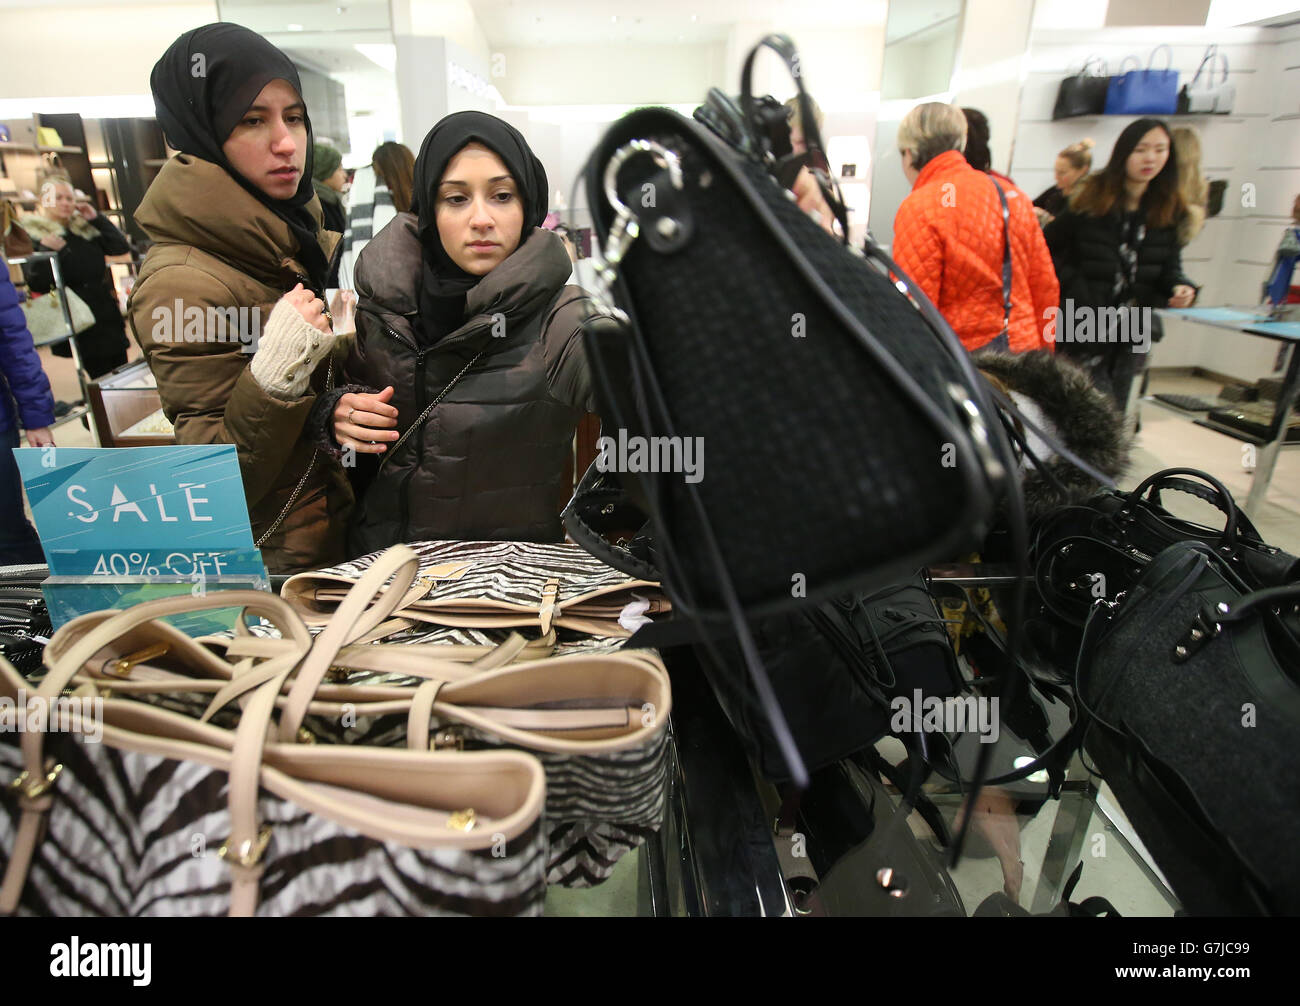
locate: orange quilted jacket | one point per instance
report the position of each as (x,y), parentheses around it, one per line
(948,239)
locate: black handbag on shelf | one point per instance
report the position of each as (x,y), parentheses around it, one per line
(1099,548)
(1191,684)
(1084,93)
(744,328)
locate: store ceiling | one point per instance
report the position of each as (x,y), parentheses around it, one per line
(585,22)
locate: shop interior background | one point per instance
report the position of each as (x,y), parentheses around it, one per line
(563,70)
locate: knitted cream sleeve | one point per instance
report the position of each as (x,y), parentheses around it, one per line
(287,352)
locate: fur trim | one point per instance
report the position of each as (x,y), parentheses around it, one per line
(1085,420)
(40,227)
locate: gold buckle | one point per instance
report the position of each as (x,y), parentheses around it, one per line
(305,736)
(121,668)
(36,789)
(250,850)
(448,739)
(463,820)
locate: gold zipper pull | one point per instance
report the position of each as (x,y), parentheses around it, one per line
(121,668)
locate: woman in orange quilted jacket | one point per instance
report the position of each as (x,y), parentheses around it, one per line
(950,239)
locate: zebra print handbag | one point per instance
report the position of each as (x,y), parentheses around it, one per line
(597,721)
(493,584)
(120,808)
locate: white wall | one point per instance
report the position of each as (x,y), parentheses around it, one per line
(1258,145)
(68,51)
(614,74)
(990,67)
(917,68)
(421,84)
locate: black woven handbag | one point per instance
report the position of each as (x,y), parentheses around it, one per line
(1192,686)
(845,437)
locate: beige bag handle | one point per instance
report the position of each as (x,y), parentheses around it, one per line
(245,760)
(34,783)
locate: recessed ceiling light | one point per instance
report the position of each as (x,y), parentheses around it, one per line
(694,18)
(295,27)
(613,19)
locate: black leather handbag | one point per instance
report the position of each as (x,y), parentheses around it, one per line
(1191,685)
(835,669)
(1084,93)
(1099,548)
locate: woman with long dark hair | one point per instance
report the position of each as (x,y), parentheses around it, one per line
(1117,257)
(228,304)
(467,325)
(395,171)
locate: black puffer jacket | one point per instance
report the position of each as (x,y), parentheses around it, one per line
(488,462)
(1085,251)
(103,346)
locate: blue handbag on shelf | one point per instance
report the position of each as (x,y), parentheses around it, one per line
(1144,92)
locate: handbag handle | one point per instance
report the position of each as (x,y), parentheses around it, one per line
(1226,503)
(63,669)
(366,605)
(1212,56)
(1220,57)
(783,46)
(1093,60)
(1168,52)
(1137,62)
(1237,610)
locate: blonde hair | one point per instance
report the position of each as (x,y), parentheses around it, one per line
(796,118)
(1191,183)
(1079,154)
(932,129)
(45,198)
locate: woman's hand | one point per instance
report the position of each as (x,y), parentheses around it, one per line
(1044,218)
(1183,296)
(311,307)
(808,194)
(53,242)
(87,211)
(40,437)
(363,421)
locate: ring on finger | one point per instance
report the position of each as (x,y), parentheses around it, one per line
(351,414)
